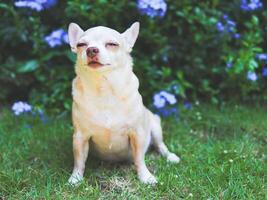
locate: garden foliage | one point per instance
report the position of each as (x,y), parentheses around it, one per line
(210,49)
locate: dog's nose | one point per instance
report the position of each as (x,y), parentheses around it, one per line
(92,52)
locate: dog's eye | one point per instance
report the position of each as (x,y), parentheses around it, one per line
(81,44)
(112,44)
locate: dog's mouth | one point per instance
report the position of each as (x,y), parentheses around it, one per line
(95,64)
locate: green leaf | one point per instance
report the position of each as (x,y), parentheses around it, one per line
(252,64)
(28,66)
(3,5)
(255,20)
(102,1)
(257,49)
(71,56)
(214,100)
(212,20)
(166,72)
(51,55)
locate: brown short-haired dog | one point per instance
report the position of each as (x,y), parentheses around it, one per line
(107,108)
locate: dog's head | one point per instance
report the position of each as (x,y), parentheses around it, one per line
(101,47)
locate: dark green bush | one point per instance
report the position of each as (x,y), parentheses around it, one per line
(182,48)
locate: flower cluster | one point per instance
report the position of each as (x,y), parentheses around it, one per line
(229,65)
(250,5)
(164,103)
(37,5)
(252,76)
(227,26)
(57,38)
(21,107)
(264,71)
(262,56)
(152,8)
(187,105)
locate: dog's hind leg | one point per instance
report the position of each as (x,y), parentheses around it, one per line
(157,140)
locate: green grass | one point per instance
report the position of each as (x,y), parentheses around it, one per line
(223,156)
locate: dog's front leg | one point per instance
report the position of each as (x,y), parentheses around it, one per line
(139,150)
(80,152)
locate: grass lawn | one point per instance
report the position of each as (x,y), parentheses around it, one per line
(223,156)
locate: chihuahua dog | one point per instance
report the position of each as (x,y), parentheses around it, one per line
(108,112)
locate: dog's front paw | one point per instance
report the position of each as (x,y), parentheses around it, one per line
(148,179)
(173,158)
(75,179)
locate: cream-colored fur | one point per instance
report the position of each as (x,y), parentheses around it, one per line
(107,108)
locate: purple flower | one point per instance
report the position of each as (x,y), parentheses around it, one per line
(229,65)
(170,98)
(220,26)
(159,101)
(237,35)
(262,56)
(225,17)
(43,117)
(56,38)
(152,8)
(163,102)
(164,58)
(37,5)
(252,76)
(30,4)
(167,111)
(175,88)
(48,3)
(65,38)
(227,26)
(28,126)
(264,71)
(163,97)
(250,5)
(230,25)
(187,105)
(21,107)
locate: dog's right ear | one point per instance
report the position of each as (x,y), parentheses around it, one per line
(74,33)
(130,35)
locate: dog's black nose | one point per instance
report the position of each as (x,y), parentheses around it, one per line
(92,52)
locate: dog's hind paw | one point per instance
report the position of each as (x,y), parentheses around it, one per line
(173,158)
(148,179)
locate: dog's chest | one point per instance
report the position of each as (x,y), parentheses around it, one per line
(105,103)
(106,114)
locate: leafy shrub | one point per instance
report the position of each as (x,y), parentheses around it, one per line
(204,49)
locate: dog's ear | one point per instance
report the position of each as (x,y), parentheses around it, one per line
(74,33)
(130,35)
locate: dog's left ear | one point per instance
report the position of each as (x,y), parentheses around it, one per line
(130,35)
